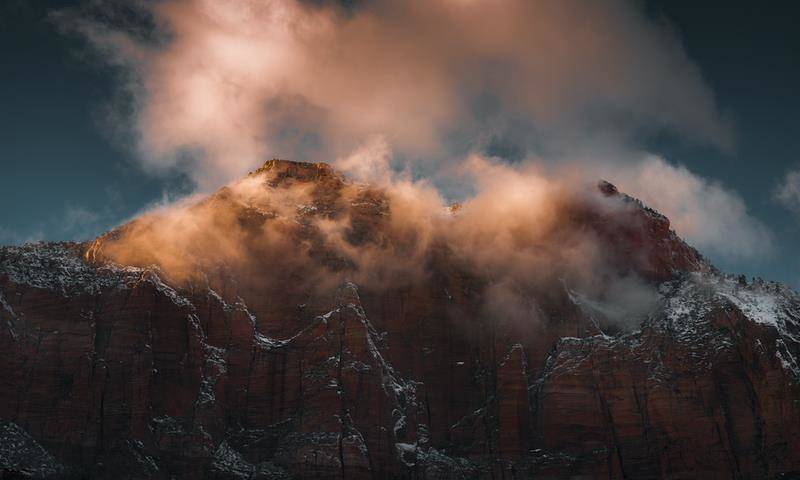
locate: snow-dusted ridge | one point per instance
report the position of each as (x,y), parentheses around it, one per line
(60,267)
(666,373)
(689,311)
(769,304)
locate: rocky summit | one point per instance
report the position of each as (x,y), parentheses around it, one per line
(286,360)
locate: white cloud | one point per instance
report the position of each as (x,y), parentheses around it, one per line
(708,215)
(81,223)
(368,163)
(788,191)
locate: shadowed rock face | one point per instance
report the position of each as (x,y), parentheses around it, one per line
(124,371)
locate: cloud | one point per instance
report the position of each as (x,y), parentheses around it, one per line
(303,230)
(787,193)
(79,220)
(216,87)
(12,237)
(709,216)
(73,223)
(371,162)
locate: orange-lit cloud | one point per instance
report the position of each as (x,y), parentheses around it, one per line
(219,86)
(230,83)
(270,231)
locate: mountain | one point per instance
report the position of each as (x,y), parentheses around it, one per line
(291,326)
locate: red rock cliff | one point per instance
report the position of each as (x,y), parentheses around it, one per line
(124,371)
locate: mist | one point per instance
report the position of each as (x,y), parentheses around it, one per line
(212,89)
(508,109)
(304,229)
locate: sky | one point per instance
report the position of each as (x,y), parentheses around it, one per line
(691,107)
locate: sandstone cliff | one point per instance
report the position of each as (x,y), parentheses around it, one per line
(266,369)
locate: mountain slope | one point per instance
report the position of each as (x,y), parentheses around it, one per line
(292,358)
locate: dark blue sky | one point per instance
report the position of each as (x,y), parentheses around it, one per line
(64,176)
(750,55)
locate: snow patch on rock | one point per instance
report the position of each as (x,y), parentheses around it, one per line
(60,267)
(20,454)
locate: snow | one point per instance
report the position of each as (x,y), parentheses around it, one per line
(306,209)
(399,389)
(768,304)
(268,343)
(151,277)
(59,267)
(759,307)
(786,359)
(137,450)
(216,296)
(404,451)
(214,368)
(6,306)
(400,424)
(20,453)
(168,425)
(228,460)
(684,314)
(592,307)
(12,315)
(434,463)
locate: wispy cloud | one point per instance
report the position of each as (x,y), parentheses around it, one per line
(787,193)
(80,222)
(710,216)
(13,237)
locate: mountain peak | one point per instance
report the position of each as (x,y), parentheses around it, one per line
(296,324)
(299,171)
(607,188)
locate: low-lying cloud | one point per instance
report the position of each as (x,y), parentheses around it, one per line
(521,236)
(709,216)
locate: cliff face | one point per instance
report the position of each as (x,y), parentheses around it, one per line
(265,369)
